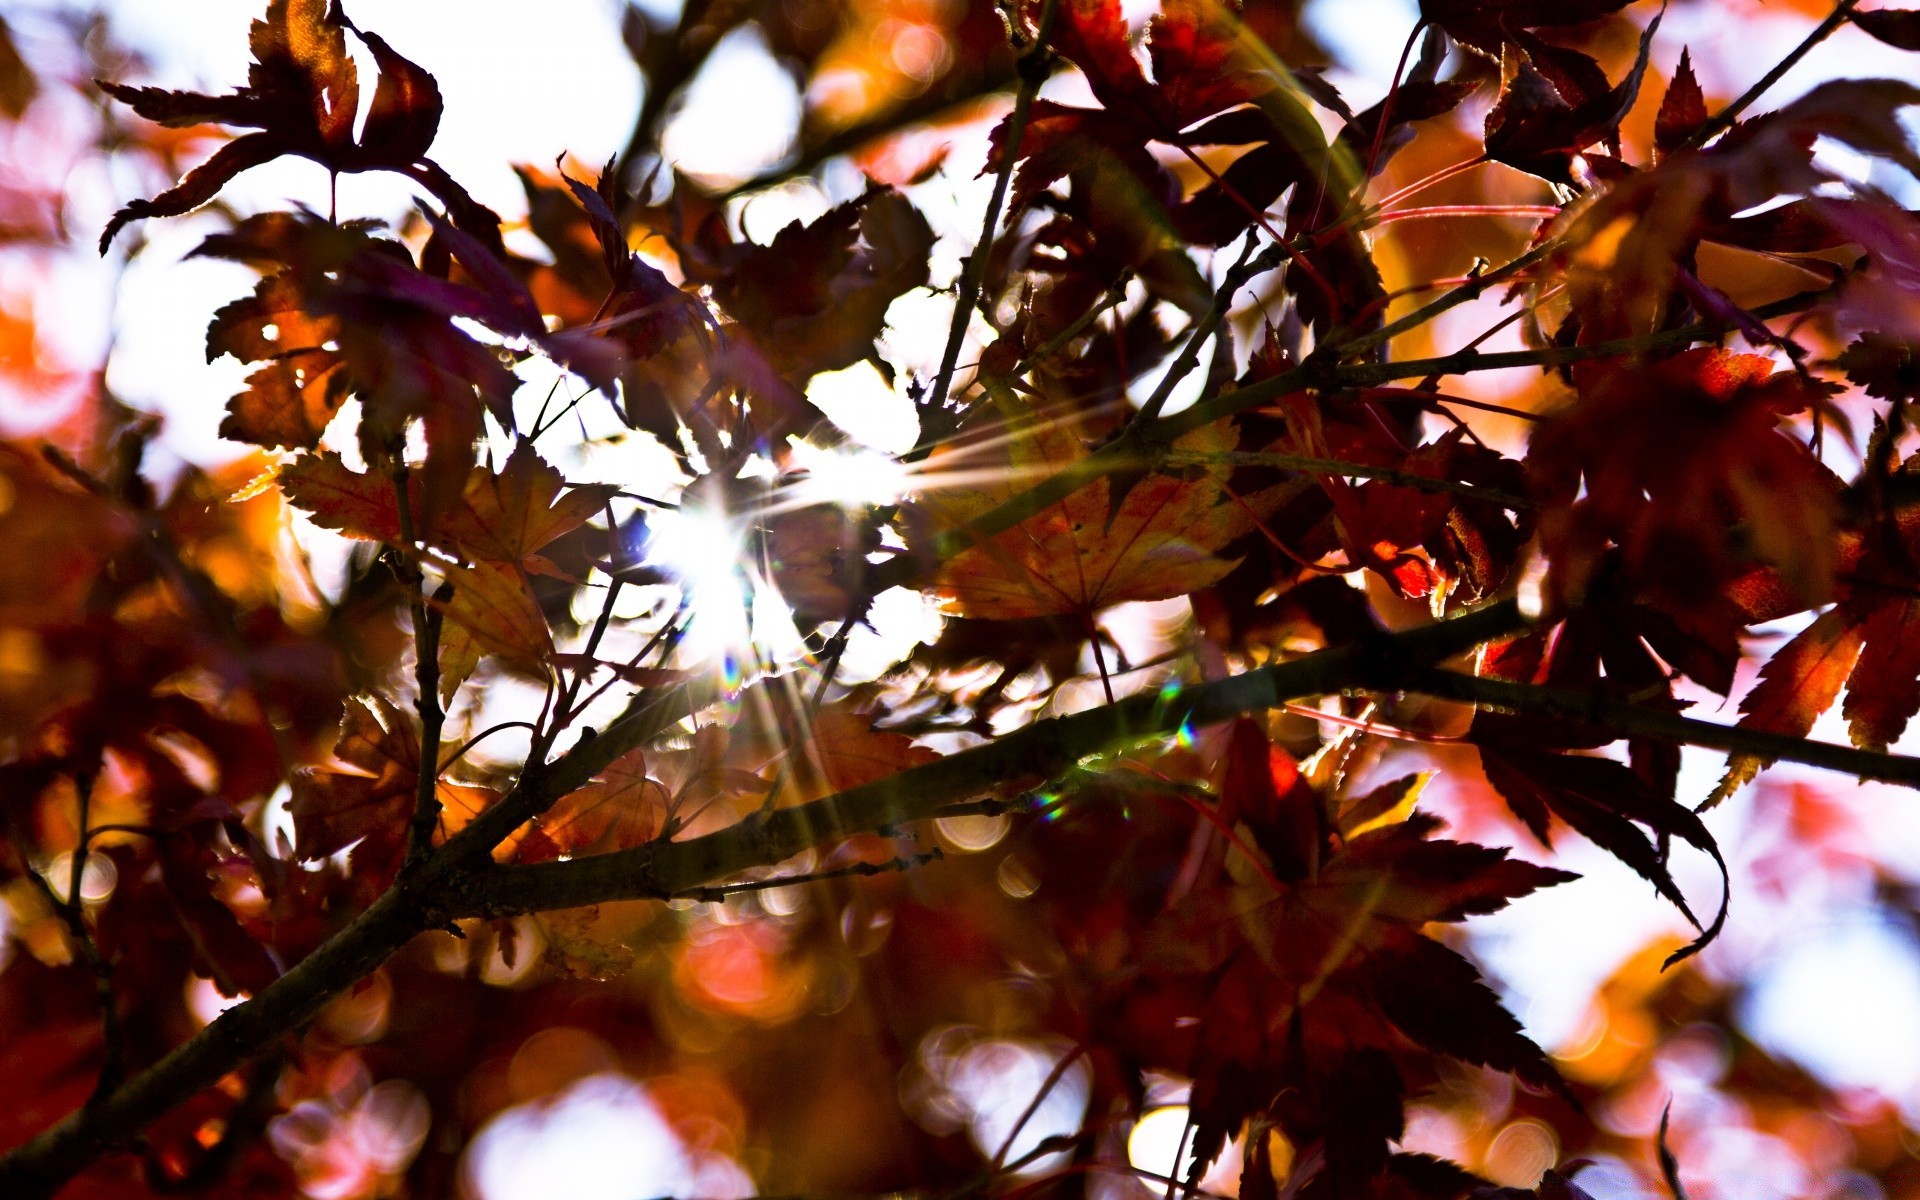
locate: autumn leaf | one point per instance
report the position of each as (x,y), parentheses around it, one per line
(841,749)
(1082,554)
(492,612)
(1800,681)
(503,517)
(367,798)
(620,809)
(1314,987)
(1682,110)
(302,96)
(1539,124)
(1897,27)
(1485,27)
(1672,457)
(509,515)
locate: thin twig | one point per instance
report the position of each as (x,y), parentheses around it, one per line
(1724,119)
(73,914)
(719,892)
(1631,720)
(1115,293)
(1047,1085)
(427,618)
(1035,64)
(1245,268)
(1335,466)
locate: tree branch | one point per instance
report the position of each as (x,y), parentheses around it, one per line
(719,892)
(1618,716)
(1725,118)
(1147,443)
(1041,751)
(459,879)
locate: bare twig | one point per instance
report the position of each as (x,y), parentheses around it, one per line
(427,618)
(1724,119)
(719,892)
(1624,719)
(1035,63)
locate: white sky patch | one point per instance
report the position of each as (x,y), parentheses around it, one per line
(859,401)
(603,1138)
(1364,36)
(899,620)
(1162,1142)
(1844,1001)
(996,1079)
(741,114)
(851,477)
(764,214)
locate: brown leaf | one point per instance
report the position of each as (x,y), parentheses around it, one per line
(1883,692)
(18,86)
(492,612)
(621,809)
(1897,27)
(406,108)
(303,95)
(1682,110)
(507,516)
(369,797)
(843,750)
(1081,555)
(358,504)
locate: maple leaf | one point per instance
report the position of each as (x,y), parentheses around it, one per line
(396,345)
(1540,123)
(1604,801)
(621,809)
(1309,999)
(1884,365)
(506,516)
(817,558)
(1897,27)
(1486,25)
(510,515)
(1084,554)
(302,96)
(492,611)
(842,750)
(1683,110)
(366,801)
(502,521)
(1672,455)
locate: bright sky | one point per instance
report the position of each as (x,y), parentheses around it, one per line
(1839,990)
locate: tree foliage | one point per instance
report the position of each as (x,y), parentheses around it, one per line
(1235,584)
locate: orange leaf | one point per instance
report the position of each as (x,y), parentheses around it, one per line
(369,797)
(1081,555)
(1800,682)
(1883,693)
(843,750)
(507,516)
(492,612)
(621,809)
(358,505)
(500,518)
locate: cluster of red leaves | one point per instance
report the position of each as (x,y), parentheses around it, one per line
(1275,939)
